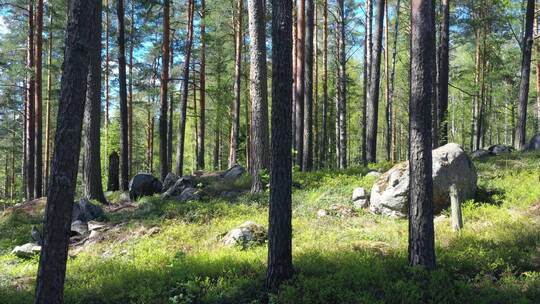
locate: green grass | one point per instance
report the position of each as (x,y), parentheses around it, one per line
(360,259)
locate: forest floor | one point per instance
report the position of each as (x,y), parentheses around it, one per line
(357,258)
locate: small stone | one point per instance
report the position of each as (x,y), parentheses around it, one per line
(79,228)
(234,172)
(27,250)
(361,203)
(321,213)
(245,235)
(374,174)
(93,225)
(358,193)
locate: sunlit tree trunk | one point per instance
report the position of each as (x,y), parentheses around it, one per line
(38,102)
(442,82)
(521,134)
(49,101)
(307,157)
(235,106)
(341,109)
(299,81)
(165,52)
(185,89)
(202,95)
(392,119)
(324,140)
(30,109)
(124,141)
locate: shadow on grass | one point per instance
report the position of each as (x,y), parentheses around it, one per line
(470,270)
(489,196)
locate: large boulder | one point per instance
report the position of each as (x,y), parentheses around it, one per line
(144,184)
(534,144)
(188,194)
(179,186)
(85,211)
(233,173)
(480,153)
(500,149)
(27,250)
(245,235)
(169,181)
(451,165)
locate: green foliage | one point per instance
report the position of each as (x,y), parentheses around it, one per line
(359,259)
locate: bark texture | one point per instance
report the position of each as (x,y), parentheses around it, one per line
(163,94)
(421,230)
(235,106)
(307,157)
(52,263)
(280,226)
(124,141)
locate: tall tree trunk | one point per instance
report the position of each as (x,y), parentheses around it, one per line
(235,106)
(373,97)
(202,95)
(421,230)
(521,134)
(324,141)
(537,76)
(388,112)
(38,103)
(307,157)
(165,52)
(434,72)
(185,90)
(300,81)
(258,93)
(107,59)
(30,110)
(170,126)
(280,226)
(367,65)
(81,30)
(130,88)
(442,93)
(49,101)
(392,122)
(93,188)
(341,114)
(124,147)
(316,133)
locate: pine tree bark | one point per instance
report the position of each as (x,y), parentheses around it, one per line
(374,87)
(170,127)
(537,76)
(280,226)
(93,188)
(202,92)
(258,93)
(324,141)
(48,107)
(30,110)
(107,59)
(443,70)
(124,141)
(130,87)
(185,89)
(235,106)
(38,103)
(367,65)
(300,81)
(52,264)
(521,129)
(341,114)
(391,119)
(163,144)
(421,230)
(307,157)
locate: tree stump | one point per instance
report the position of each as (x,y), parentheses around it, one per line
(113,182)
(457,220)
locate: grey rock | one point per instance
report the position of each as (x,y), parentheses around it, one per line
(233,173)
(169,181)
(189,194)
(500,149)
(27,250)
(358,193)
(534,144)
(85,211)
(361,203)
(451,165)
(480,153)
(321,213)
(179,186)
(79,228)
(245,235)
(229,194)
(144,184)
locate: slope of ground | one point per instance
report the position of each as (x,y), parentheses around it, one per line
(361,258)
